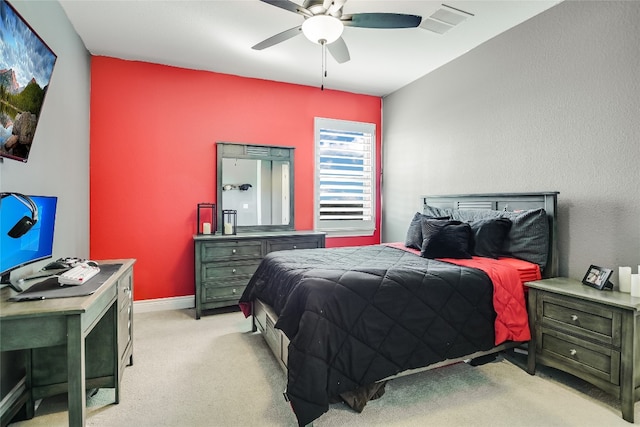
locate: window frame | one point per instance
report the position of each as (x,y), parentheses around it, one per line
(345,228)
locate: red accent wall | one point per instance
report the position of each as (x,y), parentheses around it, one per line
(152,157)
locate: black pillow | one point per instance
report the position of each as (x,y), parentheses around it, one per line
(446,239)
(489,236)
(414,233)
(528,237)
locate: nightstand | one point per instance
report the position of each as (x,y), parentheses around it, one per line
(588,333)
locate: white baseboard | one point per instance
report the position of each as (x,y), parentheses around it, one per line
(162,304)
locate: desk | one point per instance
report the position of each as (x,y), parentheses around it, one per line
(59,334)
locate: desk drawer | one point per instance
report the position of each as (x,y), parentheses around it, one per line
(231,270)
(231,250)
(595,321)
(125,317)
(294,243)
(582,356)
(125,290)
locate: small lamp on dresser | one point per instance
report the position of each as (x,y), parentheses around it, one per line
(229,221)
(206,222)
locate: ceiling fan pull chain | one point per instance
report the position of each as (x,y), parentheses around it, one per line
(324,62)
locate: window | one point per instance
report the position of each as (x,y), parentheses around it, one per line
(345,177)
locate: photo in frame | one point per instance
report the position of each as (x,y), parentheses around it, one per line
(598,277)
(26,66)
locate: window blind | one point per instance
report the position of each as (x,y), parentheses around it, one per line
(345,188)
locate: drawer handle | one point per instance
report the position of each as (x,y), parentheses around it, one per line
(573,352)
(295,247)
(234,291)
(233,271)
(233,251)
(574,317)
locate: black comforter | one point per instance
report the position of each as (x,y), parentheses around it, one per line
(357,315)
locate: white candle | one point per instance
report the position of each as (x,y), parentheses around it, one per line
(206,228)
(635,285)
(624,279)
(228,228)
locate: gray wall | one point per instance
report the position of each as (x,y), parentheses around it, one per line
(551,105)
(59,161)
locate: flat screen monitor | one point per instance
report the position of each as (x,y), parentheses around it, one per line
(37,242)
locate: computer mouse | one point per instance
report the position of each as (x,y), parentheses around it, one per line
(55,265)
(92,263)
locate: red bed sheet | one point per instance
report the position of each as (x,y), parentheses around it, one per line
(508,276)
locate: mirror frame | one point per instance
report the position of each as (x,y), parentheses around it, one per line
(235,150)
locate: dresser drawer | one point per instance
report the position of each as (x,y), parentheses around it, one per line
(582,356)
(289,244)
(595,321)
(229,270)
(231,250)
(229,291)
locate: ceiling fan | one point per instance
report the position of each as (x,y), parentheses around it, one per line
(324,23)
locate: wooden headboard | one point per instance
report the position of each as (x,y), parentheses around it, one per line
(510,202)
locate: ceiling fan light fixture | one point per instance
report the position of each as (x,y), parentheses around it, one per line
(322,29)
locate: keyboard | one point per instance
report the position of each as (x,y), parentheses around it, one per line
(78,275)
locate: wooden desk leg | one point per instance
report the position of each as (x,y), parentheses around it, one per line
(76,371)
(116,351)
(30,408)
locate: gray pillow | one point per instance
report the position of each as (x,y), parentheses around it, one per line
(414,233)
(528,238)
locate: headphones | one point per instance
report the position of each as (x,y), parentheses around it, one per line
(25,223)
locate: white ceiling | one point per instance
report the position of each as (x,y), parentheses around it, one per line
(217,35)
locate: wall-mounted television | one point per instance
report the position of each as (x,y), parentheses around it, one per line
(26,65)
(27,224)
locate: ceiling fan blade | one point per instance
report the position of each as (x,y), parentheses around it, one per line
(381,20)
(290,6)
(336,5)
(338,49)
(278,38)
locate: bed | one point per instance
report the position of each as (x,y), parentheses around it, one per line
(342,321)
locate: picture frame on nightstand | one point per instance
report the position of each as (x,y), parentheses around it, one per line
(598,277)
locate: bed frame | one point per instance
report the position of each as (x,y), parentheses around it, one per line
(264,318)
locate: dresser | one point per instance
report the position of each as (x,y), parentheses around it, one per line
(589,333)
(225,263)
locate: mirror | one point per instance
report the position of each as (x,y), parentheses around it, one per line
(257,182)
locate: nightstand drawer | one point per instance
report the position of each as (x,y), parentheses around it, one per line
(582,356)
(595,321)
(220,251)
(232,290)
(289,244)
(217,271)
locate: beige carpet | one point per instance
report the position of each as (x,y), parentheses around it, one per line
(215,372)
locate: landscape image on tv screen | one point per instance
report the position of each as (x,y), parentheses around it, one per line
(26,64)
